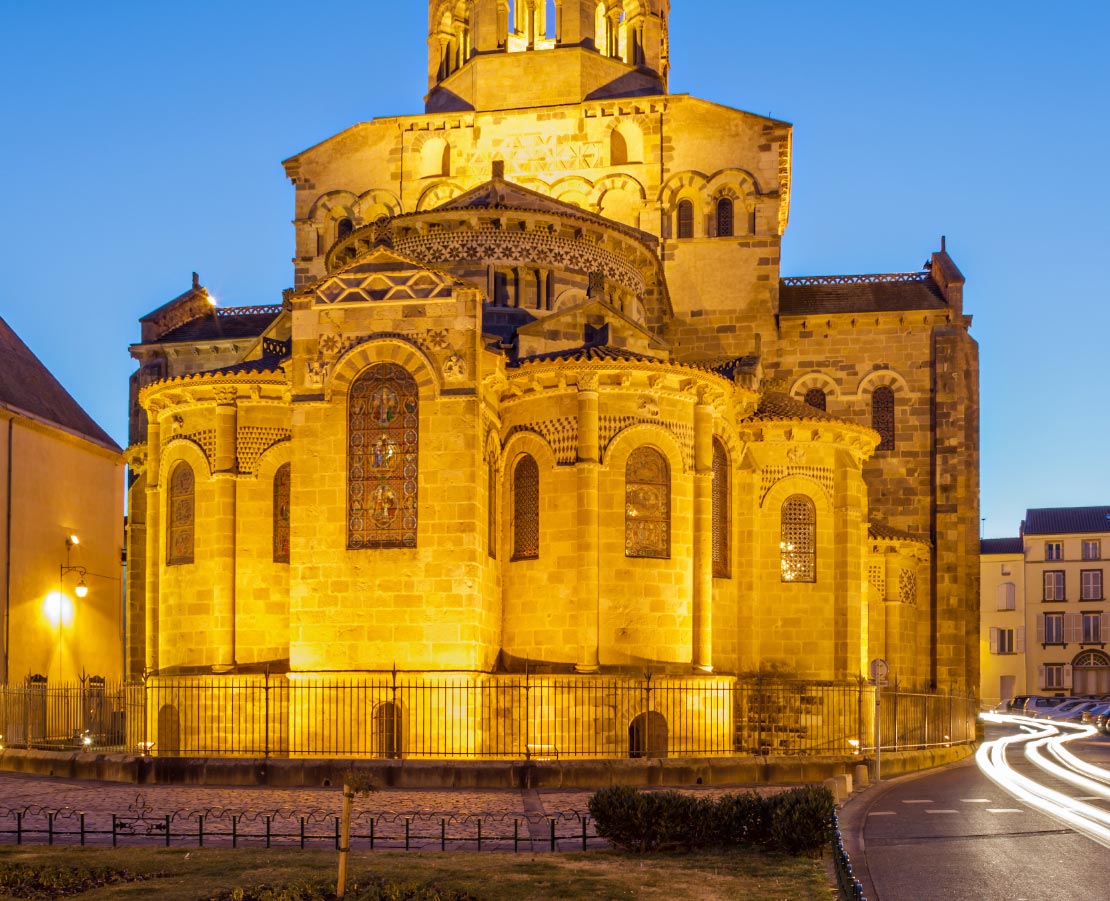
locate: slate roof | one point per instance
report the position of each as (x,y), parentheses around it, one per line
(224,324)
(859,294)
(1059,520)
(1001,546)
(27,386)
(592,352)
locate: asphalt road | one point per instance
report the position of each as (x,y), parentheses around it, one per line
(953,834)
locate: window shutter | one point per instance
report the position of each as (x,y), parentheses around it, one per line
(1067,676)
(1040,676)
(994,640)
(1040,635)
(1073,627)
(1102,627)
(1019,640)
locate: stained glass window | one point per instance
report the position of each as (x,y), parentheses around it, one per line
(815,397)
(685,219)
(721,517)
(798,546)
(647,504)
(724,217)
(882,416)
(182,506)
(526,509)
(281,514)
(382,459)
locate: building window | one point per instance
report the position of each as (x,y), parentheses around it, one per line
(798,545)
(1054,675)
(1007,596)
(526,509)
(647,499)
(721,512)
(1092,550)
(724,217)
(685,219)
(1052,628)
(182,507)
(1090,585)
(343,228)
(815,397)
(382,459)
(882,416)
(1002,641)
(1092,628)
(491,509)
(281,513)
(1054,585)
(1053,550)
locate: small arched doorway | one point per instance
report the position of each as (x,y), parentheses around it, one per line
(647,735)
(1090,673)
(169,731)
(387,730)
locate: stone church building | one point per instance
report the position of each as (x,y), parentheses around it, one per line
(540,401)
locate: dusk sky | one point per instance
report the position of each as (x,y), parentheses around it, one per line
(143,141)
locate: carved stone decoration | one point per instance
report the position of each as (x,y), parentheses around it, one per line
(796,454)
(454,368)
(649,406)
(437,339)
(330,344)
(317,372)
(226,396)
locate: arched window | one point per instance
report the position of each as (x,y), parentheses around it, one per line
(281,514)
(626,145)
(724,217)
(647,511)
(721,513)
(647,735)
(798,544)
(685,219)
(882,416)
(815,397)
(182,507)
(382,465)
(435,159)
(491,509)
(526,509)
(343,228)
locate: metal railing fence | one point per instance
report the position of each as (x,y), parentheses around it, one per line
(476,716)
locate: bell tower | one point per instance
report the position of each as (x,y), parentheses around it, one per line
(512,54)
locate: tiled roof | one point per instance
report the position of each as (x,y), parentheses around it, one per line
(1059,520)
(774,405)
(27,386)
(224,325)
(583,353)
(880,531)
(859,294)
(1001,546)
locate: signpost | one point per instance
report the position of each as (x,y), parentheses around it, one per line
(879,670)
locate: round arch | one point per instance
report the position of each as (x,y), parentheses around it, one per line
(438,194)
(812,380)
(615,454)
(886,378)
(384,350)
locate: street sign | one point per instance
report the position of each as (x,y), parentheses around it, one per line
(879,669)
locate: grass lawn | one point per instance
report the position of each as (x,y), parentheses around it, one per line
(192,875)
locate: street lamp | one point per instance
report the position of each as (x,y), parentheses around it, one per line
(81,590)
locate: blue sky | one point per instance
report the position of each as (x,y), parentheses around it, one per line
(143,141)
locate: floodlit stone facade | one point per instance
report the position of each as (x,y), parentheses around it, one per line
(539,401)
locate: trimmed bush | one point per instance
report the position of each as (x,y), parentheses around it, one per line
(370,889)
(20,880)
(796,821)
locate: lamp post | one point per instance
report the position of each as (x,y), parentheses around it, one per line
(81,590)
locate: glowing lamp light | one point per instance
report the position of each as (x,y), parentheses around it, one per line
(73,541)
(82,589)
(58,609)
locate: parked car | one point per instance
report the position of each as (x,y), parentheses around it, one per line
(1102,723)
(1091,715)
(1072,713)
(1016,704)
(1042,705)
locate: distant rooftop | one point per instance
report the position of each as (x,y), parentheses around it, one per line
(28,387)
(1001,546)
(1060,520)
(812,295)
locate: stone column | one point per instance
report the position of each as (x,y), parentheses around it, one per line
(894,651)
(153,535)
(589,472)
(703,533)
(577,23)
(224,471)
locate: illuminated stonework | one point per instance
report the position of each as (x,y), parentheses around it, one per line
(542,396)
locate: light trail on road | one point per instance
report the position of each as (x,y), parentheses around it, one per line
(1091,821)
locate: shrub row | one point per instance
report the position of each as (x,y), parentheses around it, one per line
(371,888)
(796,821)
(20,880)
